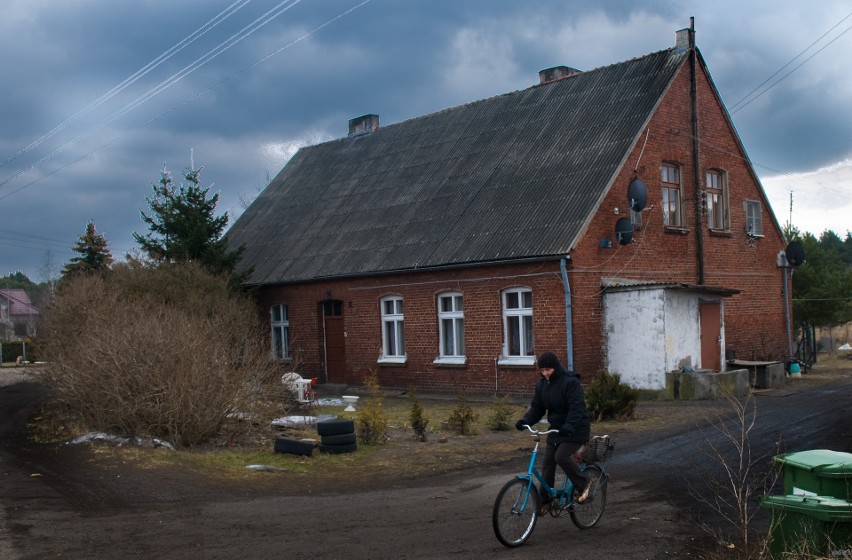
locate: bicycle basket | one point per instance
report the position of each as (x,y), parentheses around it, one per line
(596,450)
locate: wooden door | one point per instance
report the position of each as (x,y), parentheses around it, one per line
(711,335)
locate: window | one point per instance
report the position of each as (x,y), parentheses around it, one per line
(718,213)
(754,221)
(451,328)
(393,330)
(671,198)
(280,332)
(518,326)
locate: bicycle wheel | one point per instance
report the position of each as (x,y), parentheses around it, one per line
(515,512)
(587,514)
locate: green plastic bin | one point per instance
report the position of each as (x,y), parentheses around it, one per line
(819,472)
(809,526)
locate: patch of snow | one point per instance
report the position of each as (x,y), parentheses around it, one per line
(118,440)
(292,421)
(266,468)
(845,347)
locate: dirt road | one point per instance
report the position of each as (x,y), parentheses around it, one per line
(54,504)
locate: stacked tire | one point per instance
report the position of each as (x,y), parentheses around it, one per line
(337,436)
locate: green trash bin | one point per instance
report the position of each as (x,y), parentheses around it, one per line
(809,527)
(819,472)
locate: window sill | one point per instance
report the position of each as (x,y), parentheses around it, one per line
(454,361)
(721,232)
(754,235)
(676,229)
(392,360)
(516,361)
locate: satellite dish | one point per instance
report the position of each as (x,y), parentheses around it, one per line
(795,253)
(624,231)
(637,195)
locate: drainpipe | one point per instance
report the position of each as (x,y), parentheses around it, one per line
(569,351)
(696,160)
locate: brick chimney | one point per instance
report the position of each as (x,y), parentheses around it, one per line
(556,73)
(363,124)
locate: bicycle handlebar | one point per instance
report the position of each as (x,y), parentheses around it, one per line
(539,432)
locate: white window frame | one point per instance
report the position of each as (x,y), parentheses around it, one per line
(280,332)
(523,316)
(716,193)
(393,330)
(672,187)
(753,218)
(451,329)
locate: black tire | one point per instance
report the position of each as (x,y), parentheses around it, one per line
(332,449)
(338,439)
(294,446)
(587,514)
(335,427)
(515,512)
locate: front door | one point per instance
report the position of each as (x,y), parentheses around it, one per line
(711,335)
(334,339)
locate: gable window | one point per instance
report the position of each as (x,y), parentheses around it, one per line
(754,220)
(451,328)
(671,195)
(718,212)
(280,324)
(518,327)
(393,330)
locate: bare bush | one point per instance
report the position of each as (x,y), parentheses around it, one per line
(731,477)
(163,352)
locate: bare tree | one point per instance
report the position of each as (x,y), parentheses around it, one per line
(731,475)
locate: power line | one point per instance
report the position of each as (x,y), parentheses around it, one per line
(744,105)
(189,99)
(166,55)
(246,31)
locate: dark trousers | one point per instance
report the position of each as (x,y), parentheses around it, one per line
(562,455)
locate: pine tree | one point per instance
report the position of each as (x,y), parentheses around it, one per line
(183,226)
(94,252)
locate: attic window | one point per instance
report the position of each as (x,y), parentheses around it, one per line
(754,220)
(671,195)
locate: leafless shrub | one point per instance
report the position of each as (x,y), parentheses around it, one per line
(729,479)
(162,351)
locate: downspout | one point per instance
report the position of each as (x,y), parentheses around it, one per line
(696,160)
(569,349)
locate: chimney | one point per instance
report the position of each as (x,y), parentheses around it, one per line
(682,38)
(556,73)
(363,124)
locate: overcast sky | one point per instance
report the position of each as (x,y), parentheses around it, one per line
(97,95)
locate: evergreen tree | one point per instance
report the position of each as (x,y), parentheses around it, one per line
(94,253)
(822,286)
(183,227)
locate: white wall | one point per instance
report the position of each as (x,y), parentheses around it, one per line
(650,332)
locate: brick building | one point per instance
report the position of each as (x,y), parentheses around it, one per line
(445,252)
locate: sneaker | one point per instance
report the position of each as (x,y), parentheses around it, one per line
(543,506)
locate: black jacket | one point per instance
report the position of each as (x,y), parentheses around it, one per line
(562,399)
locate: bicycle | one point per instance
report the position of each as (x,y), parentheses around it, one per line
(517,506)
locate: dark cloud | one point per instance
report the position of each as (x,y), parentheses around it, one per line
(245,112)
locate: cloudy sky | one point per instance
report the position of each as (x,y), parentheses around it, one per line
(98,95)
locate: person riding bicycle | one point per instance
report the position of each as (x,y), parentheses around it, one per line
(560,394)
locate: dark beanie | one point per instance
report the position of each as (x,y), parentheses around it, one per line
(549,360)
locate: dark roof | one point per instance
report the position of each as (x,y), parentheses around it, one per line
(516,176)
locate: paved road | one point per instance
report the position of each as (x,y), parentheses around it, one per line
(648,515)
